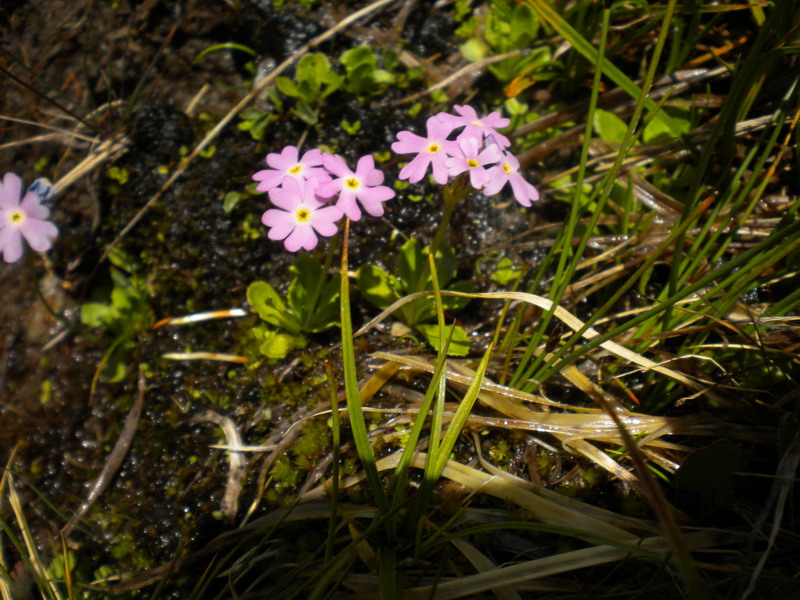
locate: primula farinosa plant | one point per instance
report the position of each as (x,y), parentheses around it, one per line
(25,217)
(311,193)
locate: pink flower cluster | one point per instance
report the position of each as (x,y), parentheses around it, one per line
(24,217)
(479,150)
(300,187)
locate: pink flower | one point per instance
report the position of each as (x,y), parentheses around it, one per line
(507,171)
(23,217)
(432,151)
(302,217)
(477,127)
(287,164)
(364,185)
(468,158)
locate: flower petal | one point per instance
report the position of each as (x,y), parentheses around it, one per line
(302,237)
(366,171)
(10,192)
(348,205)
(325,220)
(39,234)
(11,243)
(415,170)
(409,143)
(285,160)
(289,196)
(269,179)
(31,206)
(524,192)
(336,165)
(280,222)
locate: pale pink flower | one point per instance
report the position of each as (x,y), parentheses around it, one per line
(23,217)
(302,216)
(507,171)
(288,164)
(474,126)
(432,151)
(471,159)
(363,186)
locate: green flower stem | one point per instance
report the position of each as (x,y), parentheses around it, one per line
(453,193)
(323,275)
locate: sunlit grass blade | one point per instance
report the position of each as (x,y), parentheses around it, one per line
(357,423)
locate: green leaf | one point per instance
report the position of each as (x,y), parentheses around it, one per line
(524,26)
(446,264)
(231,200)
(269,306)
(351,128)
(410,265)
(316,310)
(356,57)
(609,126)
(506,272)
(304,275)
(459,344)
(474,50)
(97,314)
(305,112)
(123,260)
(287,87)
(377,286)
(327,309)
(656,130)
(454,303)
(278,345)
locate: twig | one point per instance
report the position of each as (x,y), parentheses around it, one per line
(230,501)
(114,459)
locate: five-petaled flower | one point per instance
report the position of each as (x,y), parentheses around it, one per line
(432,151)
(363,185)
(288,164)
(23,217)
(507,171)
(300,216)
(469,157)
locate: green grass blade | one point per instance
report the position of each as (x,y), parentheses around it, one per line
(357,423)
(584,47)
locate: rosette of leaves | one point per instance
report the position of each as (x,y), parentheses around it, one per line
(121,308)
(311,306)
(413,275)
(314,81)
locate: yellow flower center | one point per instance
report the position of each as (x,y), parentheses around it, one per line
(16,217)
(352,183)
(303,215)
(506,168)
(472,163)
(433,148)
(477,124)
(295,169)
